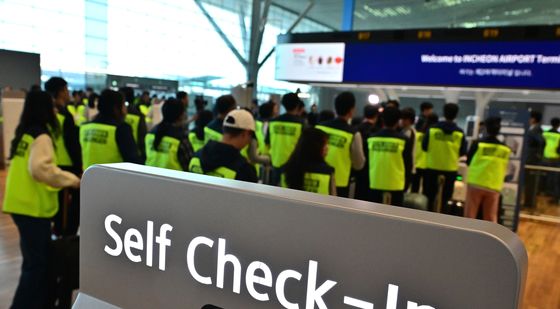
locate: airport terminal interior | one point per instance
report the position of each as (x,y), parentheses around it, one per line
(402,153)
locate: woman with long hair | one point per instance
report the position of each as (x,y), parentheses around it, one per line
(32,194)
(167,145)
(306,169)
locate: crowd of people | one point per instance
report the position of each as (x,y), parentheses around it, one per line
(377,157)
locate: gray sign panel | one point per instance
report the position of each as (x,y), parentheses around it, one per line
(154,238)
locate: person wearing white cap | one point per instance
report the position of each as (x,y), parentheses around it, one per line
(223,158)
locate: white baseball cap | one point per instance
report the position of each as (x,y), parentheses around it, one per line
(240,119)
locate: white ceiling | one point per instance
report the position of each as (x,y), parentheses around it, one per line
(403,14)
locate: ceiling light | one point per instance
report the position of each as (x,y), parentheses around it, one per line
(373,99)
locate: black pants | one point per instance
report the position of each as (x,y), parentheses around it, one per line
(67,219)
(362,185)
(397,197)
(417,180)
(343,191)
(35,236)
(431,186)
(275,176)
(553,181)
(532,180)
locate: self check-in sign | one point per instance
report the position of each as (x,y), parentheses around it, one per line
(153,238)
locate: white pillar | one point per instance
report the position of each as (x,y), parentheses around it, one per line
(381,93)
(392,94)
(482,100)
(451,96)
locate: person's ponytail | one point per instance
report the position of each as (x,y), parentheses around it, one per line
(308,152)
(172,111)
(38,111)
(161,131)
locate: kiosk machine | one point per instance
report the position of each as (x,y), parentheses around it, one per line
(154,238)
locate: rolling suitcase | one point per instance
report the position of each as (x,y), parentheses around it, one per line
(415,201)
(63,271)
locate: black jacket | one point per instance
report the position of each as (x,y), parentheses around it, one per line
(216,125)
(420,123)
(366,129)
(339,124)
(71,135)
(215,154)
(535,145)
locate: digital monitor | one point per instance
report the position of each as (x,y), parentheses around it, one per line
(527,64)
(320,62)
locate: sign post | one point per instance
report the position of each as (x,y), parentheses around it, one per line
(153,238)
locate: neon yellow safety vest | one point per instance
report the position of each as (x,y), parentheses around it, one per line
(81,110)
(283,139)
(166,154)
(386,163)
(24,195)
(551,148)
(263,148)
(211,135)
(420,155)
(99,144)
(222,172)
(443,150)
(145,110)
(72,109)
(196,143)
(62,156)
(78,112)
(338,155)
(488,166)
(134,122)
(245,153)
(312,182)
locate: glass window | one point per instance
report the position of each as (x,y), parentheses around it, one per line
(168,39)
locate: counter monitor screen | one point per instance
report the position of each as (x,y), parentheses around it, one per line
(321,62)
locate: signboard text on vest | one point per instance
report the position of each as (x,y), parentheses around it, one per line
(96,136)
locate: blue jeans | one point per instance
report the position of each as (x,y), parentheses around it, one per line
(35,239)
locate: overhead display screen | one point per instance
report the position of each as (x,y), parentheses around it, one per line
(496,64)
(322,62)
